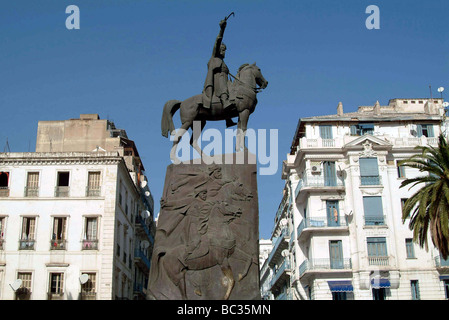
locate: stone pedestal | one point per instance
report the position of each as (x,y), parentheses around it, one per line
(206,244)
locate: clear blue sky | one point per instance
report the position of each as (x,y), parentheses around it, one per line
(130,57)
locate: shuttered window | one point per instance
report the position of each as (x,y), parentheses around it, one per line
(373,210)
(369,171)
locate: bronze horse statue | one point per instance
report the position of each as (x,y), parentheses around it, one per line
(243,92)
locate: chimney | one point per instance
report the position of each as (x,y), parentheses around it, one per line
(340,109)
(377,108)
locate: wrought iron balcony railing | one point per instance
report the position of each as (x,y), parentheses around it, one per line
(90,244)
(93,191)
(31,192)
(61,192)
(324,265)
(58,244)
(4,191)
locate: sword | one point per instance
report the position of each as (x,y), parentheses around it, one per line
(231,14)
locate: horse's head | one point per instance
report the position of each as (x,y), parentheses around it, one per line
(260,80)
(256,74)
(240,193)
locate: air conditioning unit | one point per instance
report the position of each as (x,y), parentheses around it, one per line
(315,166)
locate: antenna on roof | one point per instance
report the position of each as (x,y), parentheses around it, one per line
(430,88)
(6,148)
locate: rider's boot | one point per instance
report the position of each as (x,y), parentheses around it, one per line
(227,104)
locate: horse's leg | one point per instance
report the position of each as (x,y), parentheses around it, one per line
(195,137)
(227,271)
(241,129)
(243,256)
(177,138)
(176,271)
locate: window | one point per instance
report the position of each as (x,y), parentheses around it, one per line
(62,187)
(24,292)
(446,288)
(28,233)
(401,171)
(32,186)
(326,132)
(330,176)
(58,238)
(336,254)
(90,241)
(4,184)
(55,288)
(369,172)
(409,248)
(88,289)
(373,211)
(362,129)
(2,231)
(377,251)
(93,184)
(333,217)
(425,130)
(415,289)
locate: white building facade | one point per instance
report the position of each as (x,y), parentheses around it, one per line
(74,224)
(338,232)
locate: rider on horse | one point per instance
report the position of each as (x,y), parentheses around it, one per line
(216,83)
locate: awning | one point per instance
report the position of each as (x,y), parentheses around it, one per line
(377,283)
(444,277)
(340,286)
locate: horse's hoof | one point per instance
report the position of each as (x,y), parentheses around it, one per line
(198,292)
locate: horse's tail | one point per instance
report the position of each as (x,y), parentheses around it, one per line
(170,108)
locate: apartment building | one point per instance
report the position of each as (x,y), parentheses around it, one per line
(338,233)
(76,216)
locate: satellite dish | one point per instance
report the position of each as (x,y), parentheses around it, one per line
(16,284)
(147,193)
(284,253)
(446,104)
(440,89)
(143,183)
(145,244)
(83,278)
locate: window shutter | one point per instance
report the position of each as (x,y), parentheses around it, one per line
(368,167)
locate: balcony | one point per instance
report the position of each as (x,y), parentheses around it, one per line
(280,245)
(320,224)
(90,244)
(324,265)
(88,295)
(281,275)
(441,263)
(31,192)
(375,220)
(319,183)
(382,261)
(93,191)
(143,229)
(55,296)
(62,192)
(58,244)
(4,192)
(25,244)
(141,259)
(370,180)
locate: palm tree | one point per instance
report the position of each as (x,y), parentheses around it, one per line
(428,208)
